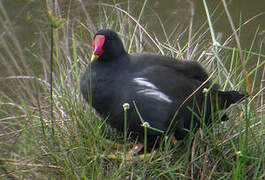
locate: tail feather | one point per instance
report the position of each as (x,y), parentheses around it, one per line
(231,97)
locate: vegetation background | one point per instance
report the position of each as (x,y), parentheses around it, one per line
(47,131)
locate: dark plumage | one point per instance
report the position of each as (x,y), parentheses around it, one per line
(159,85)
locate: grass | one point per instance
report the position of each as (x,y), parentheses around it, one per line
(48,132)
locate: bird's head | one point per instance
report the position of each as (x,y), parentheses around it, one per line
(107,45)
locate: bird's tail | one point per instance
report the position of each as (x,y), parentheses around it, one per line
(231,97)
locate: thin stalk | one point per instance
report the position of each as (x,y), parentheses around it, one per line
(215,43)
(247,125)
(144,123)
(210,24)
(51,80)
(190,29)
(145,141)
(205,108)
(238,45)
(125,109)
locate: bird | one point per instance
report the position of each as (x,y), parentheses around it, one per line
(167,94)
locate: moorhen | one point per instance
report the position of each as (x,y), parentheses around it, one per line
(165,91)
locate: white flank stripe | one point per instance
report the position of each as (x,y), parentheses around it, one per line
(155,94)
(151,90)
(144,82)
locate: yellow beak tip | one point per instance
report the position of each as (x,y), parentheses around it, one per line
(93,57)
